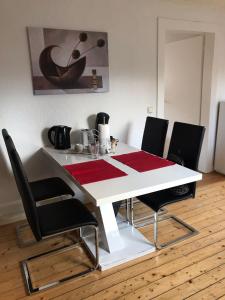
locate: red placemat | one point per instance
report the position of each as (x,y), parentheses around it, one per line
(142,161)
(93,171)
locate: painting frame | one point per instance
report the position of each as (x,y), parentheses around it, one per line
(67,61)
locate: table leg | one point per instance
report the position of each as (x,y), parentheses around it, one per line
(119,242)
(108,228)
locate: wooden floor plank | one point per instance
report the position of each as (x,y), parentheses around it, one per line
(133,268)
(155,262)
(219,298)
(108,280)
(201,285)
(213,292)
(177,278)
(192,269)
(215,227)
(155,278)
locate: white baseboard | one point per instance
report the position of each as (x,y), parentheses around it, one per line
(11,211)
(7,219)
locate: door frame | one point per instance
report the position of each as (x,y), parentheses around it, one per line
(210,32)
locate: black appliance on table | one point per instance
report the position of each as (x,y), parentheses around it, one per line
(59,136)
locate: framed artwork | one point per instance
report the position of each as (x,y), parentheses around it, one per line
(68,61)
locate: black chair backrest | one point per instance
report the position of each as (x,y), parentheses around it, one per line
(23,185)
(186,143)
(154,135)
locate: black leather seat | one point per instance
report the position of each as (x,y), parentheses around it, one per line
(50,219)
(48,188)
(154,136)
(61,216)
(165,197)
(186,143)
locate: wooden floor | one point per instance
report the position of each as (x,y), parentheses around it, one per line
(192,269)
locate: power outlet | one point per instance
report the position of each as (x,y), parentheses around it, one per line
(149,110)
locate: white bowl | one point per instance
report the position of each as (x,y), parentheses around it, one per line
(79,148)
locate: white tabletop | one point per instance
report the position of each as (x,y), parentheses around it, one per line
(132,185)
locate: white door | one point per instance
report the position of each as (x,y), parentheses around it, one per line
(183,81)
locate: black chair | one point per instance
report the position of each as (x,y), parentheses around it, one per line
(154,136)
(44,189)
(153,142)
(50,219)
(185,148)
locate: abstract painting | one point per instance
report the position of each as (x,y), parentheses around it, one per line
(68,61)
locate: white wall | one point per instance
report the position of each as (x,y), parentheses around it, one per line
(132,32)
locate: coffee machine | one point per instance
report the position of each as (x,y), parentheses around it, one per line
(102,127)
(101,118)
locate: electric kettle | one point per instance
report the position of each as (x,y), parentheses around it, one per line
(59,136)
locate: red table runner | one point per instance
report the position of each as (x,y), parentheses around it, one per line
(92,171)
(142,161)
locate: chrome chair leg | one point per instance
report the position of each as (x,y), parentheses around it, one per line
(158,217)
(155,219)
(24,264)
(191,231)
(141,222)
(96,257)
(131,211)
(80,233)
(96,248)
(156,230)
(127,210)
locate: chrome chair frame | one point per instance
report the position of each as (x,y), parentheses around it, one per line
(25,269)
(155,219)
(192,230)
(141,222)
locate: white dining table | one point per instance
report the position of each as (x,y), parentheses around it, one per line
(120,241)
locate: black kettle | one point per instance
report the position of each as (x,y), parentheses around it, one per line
(59,136)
